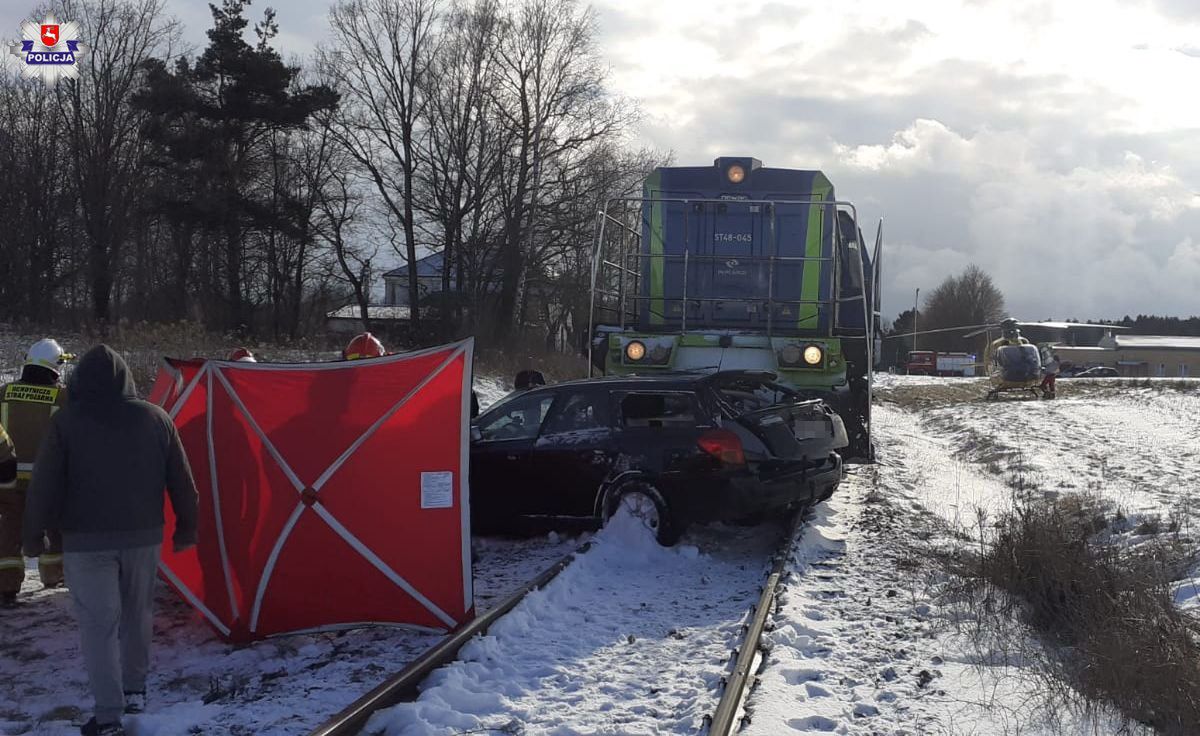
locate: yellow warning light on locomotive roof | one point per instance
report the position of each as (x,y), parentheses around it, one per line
(635,350)
(813,355)
(736,174)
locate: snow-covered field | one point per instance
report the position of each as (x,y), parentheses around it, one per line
(1133,444)
(869,637)
(199,684)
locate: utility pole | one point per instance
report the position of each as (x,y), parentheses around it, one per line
(915,318)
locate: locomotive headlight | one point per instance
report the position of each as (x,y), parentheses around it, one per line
(635,351)
(790,355)
(813,355)
(736,174)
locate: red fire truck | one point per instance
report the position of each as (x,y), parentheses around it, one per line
(932,363)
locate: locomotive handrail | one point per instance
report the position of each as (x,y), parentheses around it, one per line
(704,200)
(751,299)
(635,233)
(619,267)
(716,257)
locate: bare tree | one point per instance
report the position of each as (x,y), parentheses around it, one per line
(339,220)
(105,149)
(970,298)
(461,144)
(550,96)
(381,59)
(36,227)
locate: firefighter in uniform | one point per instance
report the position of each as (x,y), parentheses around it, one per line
(362,346)
(8,461)
(25,410)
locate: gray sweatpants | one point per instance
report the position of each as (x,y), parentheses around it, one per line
(113,593)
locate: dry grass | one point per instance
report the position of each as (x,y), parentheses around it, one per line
(521,353)
(144,345)
(935,395)
(1106,607)
(932,395)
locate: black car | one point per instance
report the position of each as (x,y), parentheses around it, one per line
(680,448)
(1100,371)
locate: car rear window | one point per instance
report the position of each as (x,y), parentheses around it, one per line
(658,410)
(746,396)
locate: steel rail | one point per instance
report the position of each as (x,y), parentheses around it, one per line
(724,718)
(402,686)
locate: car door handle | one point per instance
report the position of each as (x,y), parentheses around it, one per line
(511,457)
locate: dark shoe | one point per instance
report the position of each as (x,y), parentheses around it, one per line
(91,728)
(8,600)
(135,703)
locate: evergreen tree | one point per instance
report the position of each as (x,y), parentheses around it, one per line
(209,123)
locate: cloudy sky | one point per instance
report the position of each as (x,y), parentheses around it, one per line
(1055,143)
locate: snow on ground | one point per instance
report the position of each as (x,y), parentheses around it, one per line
(489,390)
(868,640)
(284,686)
(632,638)
(1137,447)
(887,381)
(1133,444)
(935,479)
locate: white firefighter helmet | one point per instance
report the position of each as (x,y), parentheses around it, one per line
(48,354)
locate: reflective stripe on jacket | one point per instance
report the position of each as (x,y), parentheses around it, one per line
(25,411)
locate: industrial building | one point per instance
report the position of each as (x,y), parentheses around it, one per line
(1138,356)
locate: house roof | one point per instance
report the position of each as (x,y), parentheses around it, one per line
(1158,342)
(428,267)
(1072,325)
(1142,342)
(374,311)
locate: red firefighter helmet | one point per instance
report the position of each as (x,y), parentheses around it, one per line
(365,345)
(242,355)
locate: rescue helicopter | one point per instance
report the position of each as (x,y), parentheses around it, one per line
(1013,364)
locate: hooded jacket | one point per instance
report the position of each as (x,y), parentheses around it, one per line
(104,463)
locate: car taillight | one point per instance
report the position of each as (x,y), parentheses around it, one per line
(724,446)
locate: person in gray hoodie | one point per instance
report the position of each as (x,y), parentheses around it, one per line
(102,471)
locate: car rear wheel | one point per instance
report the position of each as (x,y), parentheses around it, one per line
(646,504)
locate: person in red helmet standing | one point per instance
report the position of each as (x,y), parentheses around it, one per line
(242,355)
(365,345)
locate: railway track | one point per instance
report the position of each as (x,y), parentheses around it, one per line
(740,682)
(403,685)
(733,686)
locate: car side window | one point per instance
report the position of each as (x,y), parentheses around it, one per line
(658,410)
(575,412)
(519,419)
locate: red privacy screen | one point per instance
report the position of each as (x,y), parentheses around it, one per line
(331,494)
